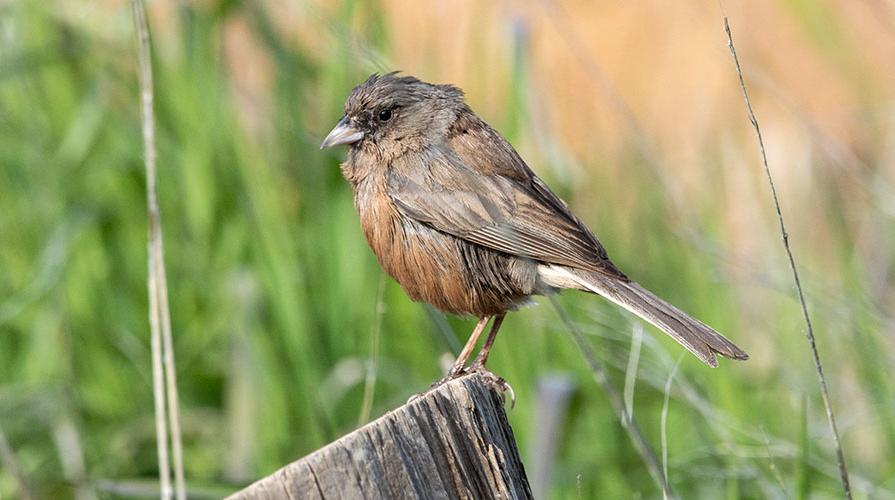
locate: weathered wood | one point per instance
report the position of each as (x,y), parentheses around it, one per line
(454,442)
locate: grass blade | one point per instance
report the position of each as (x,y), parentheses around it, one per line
(628,423)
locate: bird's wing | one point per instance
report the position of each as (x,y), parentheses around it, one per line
(516,214)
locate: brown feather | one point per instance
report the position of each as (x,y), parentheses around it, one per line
(460,221)
(451,274)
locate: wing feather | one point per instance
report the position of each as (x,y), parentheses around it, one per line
(494,201)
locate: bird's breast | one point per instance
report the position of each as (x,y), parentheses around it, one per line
(449,273)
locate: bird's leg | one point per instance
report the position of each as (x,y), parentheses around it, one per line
(482,358)
(479,364)
(460,363)
(459,366)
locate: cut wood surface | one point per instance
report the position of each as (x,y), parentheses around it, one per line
(454,442)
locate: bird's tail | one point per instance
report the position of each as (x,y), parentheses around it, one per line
(696,336)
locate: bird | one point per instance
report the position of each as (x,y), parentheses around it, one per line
(455,215)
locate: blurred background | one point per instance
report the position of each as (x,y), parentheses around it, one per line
(631,111)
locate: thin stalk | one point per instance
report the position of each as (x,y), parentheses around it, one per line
(163,368)
(615,400)
(372,364)
(664,424)
(631,369)
(809,332)
(170,376)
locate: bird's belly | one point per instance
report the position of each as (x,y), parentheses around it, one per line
(445,271)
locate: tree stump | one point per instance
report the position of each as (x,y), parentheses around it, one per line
(454,442)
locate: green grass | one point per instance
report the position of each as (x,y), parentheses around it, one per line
(273,289)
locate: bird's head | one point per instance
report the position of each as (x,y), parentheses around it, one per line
(396,113)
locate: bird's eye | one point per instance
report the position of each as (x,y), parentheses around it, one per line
(385,115)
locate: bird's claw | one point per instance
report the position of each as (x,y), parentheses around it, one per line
(494,381)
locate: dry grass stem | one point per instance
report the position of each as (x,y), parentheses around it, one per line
(163,367)
(809,332)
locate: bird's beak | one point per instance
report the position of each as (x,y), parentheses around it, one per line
(344,133)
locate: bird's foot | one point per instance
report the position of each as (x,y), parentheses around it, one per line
(489,377)
(494,381)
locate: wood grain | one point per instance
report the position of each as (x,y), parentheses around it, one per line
(454,442)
